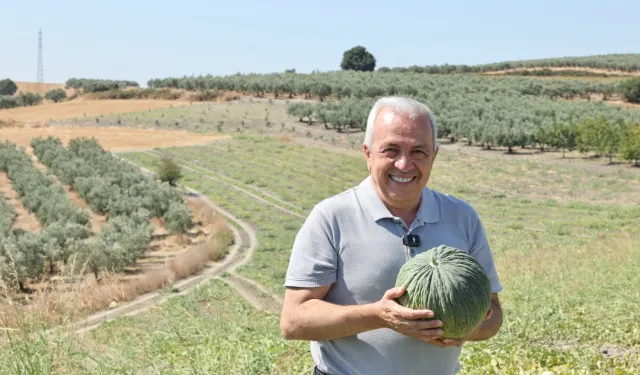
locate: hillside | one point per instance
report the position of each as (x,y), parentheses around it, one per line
(620,63)
(40,88)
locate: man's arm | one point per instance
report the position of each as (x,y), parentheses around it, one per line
(491,326)
(305,316)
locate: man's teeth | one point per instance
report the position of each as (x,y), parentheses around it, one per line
(401,180)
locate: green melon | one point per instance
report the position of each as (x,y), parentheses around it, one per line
(450,283)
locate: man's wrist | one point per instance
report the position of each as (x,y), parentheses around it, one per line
(371,314)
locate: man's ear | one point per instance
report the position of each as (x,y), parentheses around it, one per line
(367,155)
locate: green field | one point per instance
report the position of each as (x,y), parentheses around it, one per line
(566,243)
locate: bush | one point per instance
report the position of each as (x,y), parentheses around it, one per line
(55,95)
(177,218)
(630,148)
(7,102)
(168,170)
(26,99)
(630,90)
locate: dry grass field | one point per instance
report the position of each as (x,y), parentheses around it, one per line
(82,108)
(41,88)
(115,139)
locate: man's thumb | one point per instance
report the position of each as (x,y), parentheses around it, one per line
(396,292)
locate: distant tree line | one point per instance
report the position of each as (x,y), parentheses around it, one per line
(600,129)
(623,62)
(359,85)
(24,99)
(98,85)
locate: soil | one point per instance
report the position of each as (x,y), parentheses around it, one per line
(41,88)
(80,108)
(115,139)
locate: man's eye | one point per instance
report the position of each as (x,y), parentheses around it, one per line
(389,151)
(419,154)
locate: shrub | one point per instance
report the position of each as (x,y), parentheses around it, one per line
(55,95)
(630,90)
(168,170)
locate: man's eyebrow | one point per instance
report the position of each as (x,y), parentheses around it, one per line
(391,144)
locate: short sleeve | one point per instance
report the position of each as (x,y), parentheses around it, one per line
(481,251)
(314,259)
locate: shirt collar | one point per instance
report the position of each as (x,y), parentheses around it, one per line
(427,213)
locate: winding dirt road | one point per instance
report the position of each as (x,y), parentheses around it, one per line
(245,243)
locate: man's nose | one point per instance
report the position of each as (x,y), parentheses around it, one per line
(403,163)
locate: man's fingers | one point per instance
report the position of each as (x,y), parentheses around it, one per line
(394,292)
(428,324)
(411,314)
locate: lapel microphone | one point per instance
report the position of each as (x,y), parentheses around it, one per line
(411,240)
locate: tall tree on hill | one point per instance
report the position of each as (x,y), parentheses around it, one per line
(8,87)
(359,59)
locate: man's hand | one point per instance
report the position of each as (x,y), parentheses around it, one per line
(407,321)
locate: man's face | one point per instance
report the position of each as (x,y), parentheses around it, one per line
(400,158)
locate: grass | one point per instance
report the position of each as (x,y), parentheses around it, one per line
(566,244)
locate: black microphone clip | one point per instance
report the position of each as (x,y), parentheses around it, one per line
(411,240)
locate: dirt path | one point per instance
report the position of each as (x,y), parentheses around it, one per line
(239,254)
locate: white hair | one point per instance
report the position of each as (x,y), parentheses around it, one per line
(402,105)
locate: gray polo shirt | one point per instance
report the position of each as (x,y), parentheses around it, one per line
(352,241)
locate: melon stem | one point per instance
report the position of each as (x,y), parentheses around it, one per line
(432,261)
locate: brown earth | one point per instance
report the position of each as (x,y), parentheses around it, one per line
(82,108)
(116,139)
(41,88)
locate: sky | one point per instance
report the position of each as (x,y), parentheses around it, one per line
(139,40)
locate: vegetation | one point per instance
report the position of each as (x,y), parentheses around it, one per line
(98,85)
(630,147)
(626,62)
(109,185)
(168,170)
(7,87)
(55,95)
(630,90)
(547,72)
(359,59)
(24,99)
(7,216)
(24,255)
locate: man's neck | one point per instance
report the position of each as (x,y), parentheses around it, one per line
(407,215)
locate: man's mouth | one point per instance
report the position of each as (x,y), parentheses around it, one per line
(402,180)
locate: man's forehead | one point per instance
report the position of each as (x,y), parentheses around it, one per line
(414,134)
(400,140)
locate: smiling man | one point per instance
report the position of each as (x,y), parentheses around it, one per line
(340,292)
